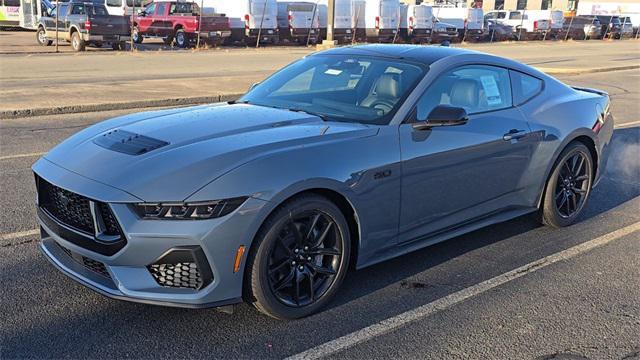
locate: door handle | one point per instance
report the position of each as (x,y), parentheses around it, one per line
(514,134)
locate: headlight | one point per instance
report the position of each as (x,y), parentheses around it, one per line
(188,211)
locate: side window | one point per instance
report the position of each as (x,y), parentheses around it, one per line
(161,8)
(78,10)
(63,10)
(151,9)
(117,3)
(524,87)
(475,88)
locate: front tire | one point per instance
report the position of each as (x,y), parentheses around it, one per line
(569,186)
(41,37)
(299,259)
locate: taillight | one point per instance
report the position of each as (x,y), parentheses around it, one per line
(290,17)
(535,25)
(246,21)
(87,25)
(411,22)
(377,22)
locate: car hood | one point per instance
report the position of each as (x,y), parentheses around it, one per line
(188,148)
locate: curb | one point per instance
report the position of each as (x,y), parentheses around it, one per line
(574,71)
(72,109)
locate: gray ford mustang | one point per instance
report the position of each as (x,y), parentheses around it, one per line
(342,159)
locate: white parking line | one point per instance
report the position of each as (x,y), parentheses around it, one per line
(16,156)
(446,302)
(20,234)
(628,124)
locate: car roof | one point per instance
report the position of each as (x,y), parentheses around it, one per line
(422,54)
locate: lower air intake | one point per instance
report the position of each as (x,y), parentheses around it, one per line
(182,267)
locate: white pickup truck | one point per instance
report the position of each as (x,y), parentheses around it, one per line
(524,25)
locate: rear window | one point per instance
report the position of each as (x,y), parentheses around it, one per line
(117,3)
(98,10)
(11,2)
(524,87)
(184,8)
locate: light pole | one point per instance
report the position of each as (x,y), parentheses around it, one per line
(331,11)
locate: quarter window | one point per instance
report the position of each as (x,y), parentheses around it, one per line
(78,10)
(524,87)
(161,9)
(475,88)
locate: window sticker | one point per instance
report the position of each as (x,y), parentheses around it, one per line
(335,72)
(491,90)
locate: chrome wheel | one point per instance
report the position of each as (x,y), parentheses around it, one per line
(572,186)
(305,259)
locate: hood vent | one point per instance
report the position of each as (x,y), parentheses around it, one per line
(128,143)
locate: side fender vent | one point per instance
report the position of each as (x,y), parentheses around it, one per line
(128,143)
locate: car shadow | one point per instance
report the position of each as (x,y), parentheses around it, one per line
(50,316)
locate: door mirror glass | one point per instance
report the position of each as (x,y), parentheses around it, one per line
(142,13)
(443,115)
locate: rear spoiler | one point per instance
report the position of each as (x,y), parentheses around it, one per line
(590,90)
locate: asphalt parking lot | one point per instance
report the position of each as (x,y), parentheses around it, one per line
(586,305)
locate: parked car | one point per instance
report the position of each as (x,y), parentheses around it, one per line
(251,20)
(82,24)
(344,21)
(444,32)
(180,22)
(496,31)
(626,30)
(298,21)
(611,26)
(555,19)
(583,27)
(272,198)
(468,21)
(523,26)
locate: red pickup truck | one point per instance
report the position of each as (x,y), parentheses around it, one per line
(179,22)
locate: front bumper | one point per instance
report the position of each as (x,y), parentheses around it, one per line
(128,274)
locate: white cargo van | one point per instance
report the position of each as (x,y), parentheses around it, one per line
(524,27)
(382,19)
(298,21)
(249,19)
(419,23)
(468,21)
(343,21)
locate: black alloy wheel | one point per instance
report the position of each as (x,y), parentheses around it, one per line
(572,185)
(569,186)
(306,258)
(299,258)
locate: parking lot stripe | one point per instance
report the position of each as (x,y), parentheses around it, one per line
(20,234)
(16,156)
(446,302)
(627,124)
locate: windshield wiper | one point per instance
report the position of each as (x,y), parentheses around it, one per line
(321,116)
(233,102)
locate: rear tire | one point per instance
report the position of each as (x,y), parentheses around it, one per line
(182,41)
(77,44)
(299,258)
(168,40)
(569,186)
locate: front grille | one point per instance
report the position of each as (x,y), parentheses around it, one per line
(67,207)
(180,275)
(78,219)
(110,222)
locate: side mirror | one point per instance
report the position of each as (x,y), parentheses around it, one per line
(253,86)
(141,13)
(443,115)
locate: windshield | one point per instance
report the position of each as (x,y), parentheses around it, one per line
(360,89)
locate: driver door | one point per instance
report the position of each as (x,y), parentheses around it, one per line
(454,175)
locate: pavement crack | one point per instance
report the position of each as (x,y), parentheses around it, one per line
(16,243)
